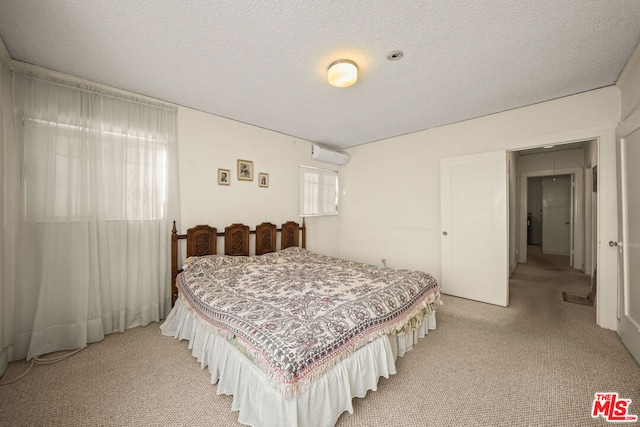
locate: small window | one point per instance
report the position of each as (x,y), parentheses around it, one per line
(318,191)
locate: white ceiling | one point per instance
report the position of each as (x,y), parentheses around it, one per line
(265,62)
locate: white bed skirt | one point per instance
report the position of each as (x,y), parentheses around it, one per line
(259,404)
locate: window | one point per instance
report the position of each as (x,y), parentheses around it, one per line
(76,173)
(318,191)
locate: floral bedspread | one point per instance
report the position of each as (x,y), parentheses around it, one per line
(298,313)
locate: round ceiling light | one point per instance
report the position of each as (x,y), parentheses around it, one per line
(342,73)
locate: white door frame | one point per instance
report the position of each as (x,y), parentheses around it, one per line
(607,210)
(577,212)
(589,233)
(607,224)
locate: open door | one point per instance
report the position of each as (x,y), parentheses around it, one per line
(629,309)
(474,224)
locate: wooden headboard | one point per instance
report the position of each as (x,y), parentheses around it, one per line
(203,240)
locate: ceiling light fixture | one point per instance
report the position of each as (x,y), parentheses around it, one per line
(343,73)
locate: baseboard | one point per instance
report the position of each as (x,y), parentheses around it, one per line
(513,269)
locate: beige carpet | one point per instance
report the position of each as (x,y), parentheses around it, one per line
(536,363)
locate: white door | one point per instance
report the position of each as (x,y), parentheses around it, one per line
(474,220)
(629,311)
(556,214)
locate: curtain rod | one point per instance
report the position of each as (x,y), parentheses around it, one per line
(60,79)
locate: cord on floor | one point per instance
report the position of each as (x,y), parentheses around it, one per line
(39,360)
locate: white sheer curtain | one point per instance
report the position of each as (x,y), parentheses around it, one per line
(10,219)
(99,191)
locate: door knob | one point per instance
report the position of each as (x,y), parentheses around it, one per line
(612,243)
(444,233)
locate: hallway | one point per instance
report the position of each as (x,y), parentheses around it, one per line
(543,279)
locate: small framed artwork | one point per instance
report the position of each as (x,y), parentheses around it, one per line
(224,176)
(263,180)
(245,170)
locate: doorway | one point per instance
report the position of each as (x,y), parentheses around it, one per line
(556,209)
(556,216)
(549,219)
(563,221)
(563,206)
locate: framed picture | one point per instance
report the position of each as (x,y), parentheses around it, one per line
(245,170)
(263,180)
(224,177)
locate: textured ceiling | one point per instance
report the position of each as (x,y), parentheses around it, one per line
(264,62)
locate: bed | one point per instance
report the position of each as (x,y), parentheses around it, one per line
(292,335)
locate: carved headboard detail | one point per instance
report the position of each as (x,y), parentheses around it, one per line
(289,235)
(236,240)
(266,238)
(203,240)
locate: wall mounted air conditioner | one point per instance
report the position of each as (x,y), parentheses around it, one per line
(328,155)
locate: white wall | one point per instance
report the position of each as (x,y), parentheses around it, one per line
(391,205)
(208,142)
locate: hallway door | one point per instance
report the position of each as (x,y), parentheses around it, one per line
(474,223)
(629,310)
